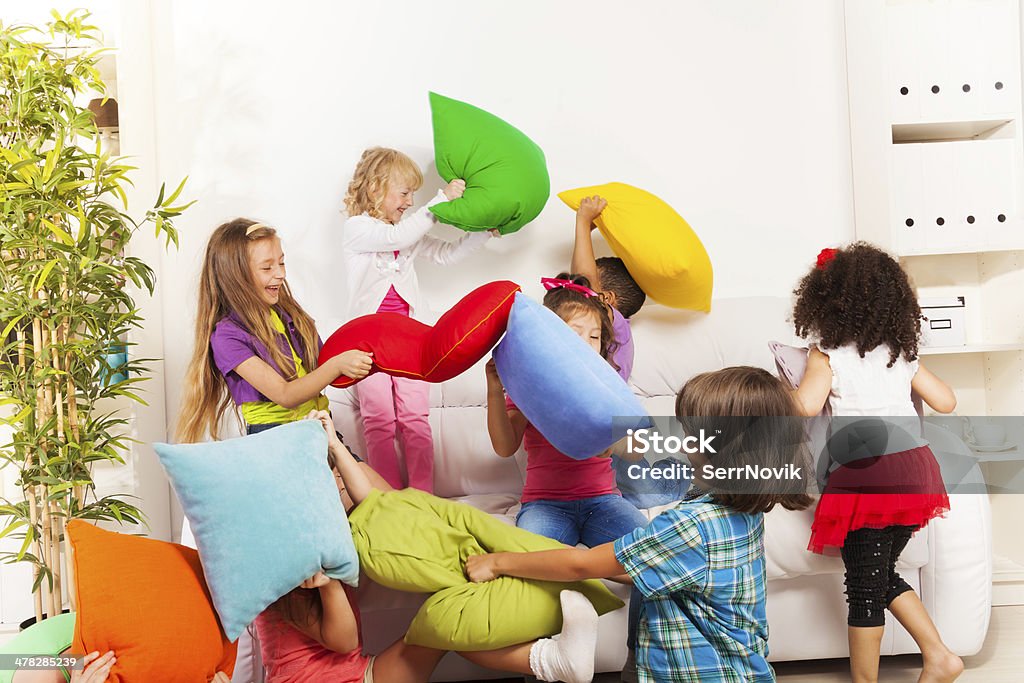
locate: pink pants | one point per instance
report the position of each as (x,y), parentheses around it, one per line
(396,405)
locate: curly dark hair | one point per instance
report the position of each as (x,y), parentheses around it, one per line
(861,297)
(566,303)
(615,278)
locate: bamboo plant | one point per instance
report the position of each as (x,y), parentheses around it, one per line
(69,288)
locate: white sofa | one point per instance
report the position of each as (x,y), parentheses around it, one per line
(949,563)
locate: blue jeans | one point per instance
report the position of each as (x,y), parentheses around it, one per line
(590,521)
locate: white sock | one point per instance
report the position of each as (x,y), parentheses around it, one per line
(569,656)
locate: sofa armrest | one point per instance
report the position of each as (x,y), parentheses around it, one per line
(956,583)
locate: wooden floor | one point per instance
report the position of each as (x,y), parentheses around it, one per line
(1000,661)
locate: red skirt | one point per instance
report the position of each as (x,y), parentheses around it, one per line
(904,489)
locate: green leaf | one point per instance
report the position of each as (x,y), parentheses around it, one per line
(51,159)
(13,526)
(17,419)
(30,534)
(58,232)
(7,330)
(41,280)
(174,195)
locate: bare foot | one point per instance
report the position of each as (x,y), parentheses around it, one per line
(942,669)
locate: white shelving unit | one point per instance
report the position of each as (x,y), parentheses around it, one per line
(937,135)
(970,348)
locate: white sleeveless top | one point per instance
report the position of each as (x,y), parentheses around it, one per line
(865,386)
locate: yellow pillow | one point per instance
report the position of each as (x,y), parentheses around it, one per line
(660,249)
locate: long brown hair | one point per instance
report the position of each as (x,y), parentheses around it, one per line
(567,303)
(301,606)
(861,297)
(226,286)
(753,417)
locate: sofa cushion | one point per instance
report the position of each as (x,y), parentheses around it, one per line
(786,533)
(410,540)
(673,345)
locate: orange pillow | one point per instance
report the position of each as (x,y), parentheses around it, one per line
(147,601)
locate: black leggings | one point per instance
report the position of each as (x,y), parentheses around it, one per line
(871,580)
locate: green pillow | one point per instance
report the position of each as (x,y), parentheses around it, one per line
(412,541)
(49,637)
(506,175)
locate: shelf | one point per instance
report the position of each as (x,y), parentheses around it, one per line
(1014,455)
(1004,569)
(1007,582)
(946,131)
(969,250)
(943,131)
(969,348)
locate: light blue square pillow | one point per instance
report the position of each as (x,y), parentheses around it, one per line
(569,393)
(266,516)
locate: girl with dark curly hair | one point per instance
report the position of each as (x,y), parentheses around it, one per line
(860,314)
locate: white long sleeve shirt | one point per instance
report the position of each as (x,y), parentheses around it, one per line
(369,245)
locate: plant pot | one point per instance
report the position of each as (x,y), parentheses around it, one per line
(116,359)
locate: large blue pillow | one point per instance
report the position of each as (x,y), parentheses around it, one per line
(266,516)
(568,392)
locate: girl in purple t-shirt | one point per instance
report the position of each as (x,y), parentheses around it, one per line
(571,501)
(255,346)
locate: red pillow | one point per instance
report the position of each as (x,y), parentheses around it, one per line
(404,347)
(147,601)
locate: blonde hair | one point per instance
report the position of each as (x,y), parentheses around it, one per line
(226,286)
(372,177)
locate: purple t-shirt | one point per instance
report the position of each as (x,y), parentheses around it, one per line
(622,355)
(232,344)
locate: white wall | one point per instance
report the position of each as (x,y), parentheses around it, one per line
(735,113)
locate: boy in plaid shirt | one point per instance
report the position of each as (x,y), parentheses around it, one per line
(699,566)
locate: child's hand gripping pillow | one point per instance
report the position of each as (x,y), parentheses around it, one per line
(404,347)
(266,516)
(147,601)
(506,175)
(412,541)
(660,249)
(568,392)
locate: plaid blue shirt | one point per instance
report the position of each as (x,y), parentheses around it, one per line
(700,567)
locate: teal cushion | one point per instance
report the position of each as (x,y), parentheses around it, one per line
(266,516)
(506,175)
(566,390)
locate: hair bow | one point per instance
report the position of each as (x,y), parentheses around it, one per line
(825,256)
(558,283)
